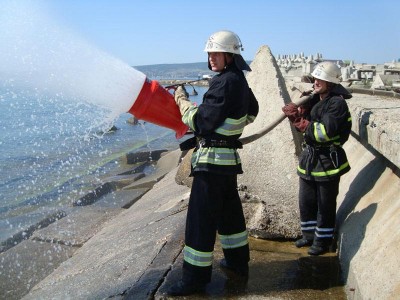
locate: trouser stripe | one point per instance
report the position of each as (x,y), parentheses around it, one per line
(308,226)
(197,258)
(324,232)
(234,240)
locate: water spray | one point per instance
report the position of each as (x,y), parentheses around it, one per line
(48,59)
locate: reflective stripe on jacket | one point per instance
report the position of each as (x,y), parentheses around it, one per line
(323,157)
(228,106)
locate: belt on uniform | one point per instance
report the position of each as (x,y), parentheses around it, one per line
(195,142)
(313,150)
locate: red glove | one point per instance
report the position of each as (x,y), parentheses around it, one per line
(291,111)
(300,124)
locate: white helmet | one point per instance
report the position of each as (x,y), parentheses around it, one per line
(224,41)
(228,42)
(327,71)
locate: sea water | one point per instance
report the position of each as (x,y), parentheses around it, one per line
(59,96)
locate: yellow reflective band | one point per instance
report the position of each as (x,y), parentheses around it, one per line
(188,117)
(232,126)
(197,258)
(234,240)
(327,173)
(320,132)
(216,156)
(250,119)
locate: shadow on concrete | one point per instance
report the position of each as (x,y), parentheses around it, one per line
(356,223)
(361,185)
(363,125)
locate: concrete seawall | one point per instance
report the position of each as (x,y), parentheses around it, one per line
(369,201)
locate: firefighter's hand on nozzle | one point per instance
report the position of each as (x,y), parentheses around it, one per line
(180,89)
(181,99)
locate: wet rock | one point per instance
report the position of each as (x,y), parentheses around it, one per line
(17,229)
(182,175)
(77,227)
(134,157)
(19,272)
(133,121)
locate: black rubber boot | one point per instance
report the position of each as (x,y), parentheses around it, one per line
(318,248)
(303,242)
(242,271)
(184,288)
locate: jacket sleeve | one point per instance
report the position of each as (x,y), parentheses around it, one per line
(253,107)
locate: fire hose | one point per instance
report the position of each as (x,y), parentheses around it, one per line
(264,131)
(302,100)
(174,86)
(278,120)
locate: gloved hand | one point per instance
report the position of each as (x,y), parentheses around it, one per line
(304,110)
(181,99)
(301,124)
(291,110)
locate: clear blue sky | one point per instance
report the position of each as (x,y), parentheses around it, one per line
(161,31)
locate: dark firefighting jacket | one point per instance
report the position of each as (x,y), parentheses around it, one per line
(323,157)
(227,107)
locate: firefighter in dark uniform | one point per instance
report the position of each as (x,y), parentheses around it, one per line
(326,125)
(214,204)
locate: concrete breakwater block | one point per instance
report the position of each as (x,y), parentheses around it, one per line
(154,161)
(78,227)
(19,272)
(94,195)
(132,158)
(164,165)
(16,229)
(120,167)
(183,174)
(120,181)
(58,241)
(376,122)
(121,199)
(124,251)
(269,163)
(110,185)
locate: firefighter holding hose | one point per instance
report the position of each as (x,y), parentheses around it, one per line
(214,204)
(325,122)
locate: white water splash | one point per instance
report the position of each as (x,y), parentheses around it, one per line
(37,53)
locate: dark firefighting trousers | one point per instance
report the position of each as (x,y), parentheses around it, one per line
(317,203)
(214,205)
